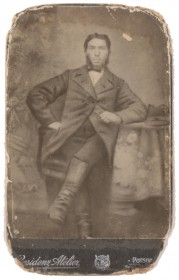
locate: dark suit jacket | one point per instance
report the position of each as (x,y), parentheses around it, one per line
(84,101)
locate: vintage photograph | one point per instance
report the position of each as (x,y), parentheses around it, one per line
(88,124)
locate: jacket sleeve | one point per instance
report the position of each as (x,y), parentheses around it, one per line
(128,106)
(41,96)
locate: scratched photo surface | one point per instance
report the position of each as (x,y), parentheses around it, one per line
(89,149)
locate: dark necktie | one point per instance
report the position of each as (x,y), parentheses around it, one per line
(94,69)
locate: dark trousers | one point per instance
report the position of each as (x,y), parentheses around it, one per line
(86,146)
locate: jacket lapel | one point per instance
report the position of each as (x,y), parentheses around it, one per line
(82,78)
(105,83)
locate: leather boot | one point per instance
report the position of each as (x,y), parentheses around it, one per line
(76,174)
(83,216)
(84,226)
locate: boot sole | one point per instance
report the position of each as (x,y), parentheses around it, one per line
(55,220)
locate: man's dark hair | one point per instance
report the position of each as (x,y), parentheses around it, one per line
(98,36)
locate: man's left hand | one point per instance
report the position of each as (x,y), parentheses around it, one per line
(109,117)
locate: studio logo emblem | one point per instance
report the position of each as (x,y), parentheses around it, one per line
(102,262)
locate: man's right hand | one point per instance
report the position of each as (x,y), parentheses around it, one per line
(55,125)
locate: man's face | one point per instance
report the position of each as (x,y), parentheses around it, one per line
(97,53)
